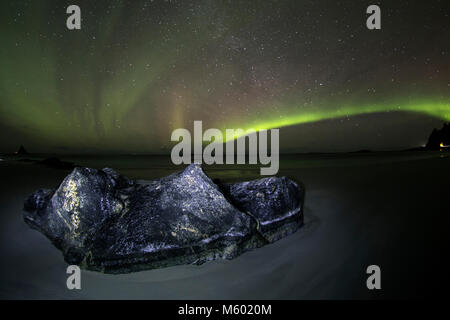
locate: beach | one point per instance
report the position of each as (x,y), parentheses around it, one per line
(372,208)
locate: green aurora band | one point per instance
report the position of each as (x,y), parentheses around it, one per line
(440,110)
(102,87)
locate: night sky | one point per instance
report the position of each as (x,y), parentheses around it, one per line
(137,70)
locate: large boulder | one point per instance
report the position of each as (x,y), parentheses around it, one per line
(103,221)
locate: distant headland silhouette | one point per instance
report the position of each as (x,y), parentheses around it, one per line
(21,150)
(439,138)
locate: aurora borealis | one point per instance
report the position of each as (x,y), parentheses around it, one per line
(137,70)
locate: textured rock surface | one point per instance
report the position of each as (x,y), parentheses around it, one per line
(273,202)
(105,222)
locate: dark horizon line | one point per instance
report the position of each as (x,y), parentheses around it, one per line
(421,148)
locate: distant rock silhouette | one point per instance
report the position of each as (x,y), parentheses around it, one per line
(438,137)
(21,151)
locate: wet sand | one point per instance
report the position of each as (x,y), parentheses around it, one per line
(388,209)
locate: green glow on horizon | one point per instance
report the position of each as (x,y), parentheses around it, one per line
(439,110)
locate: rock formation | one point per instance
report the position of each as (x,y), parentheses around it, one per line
(438,137)
(103,221)
(21,151)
